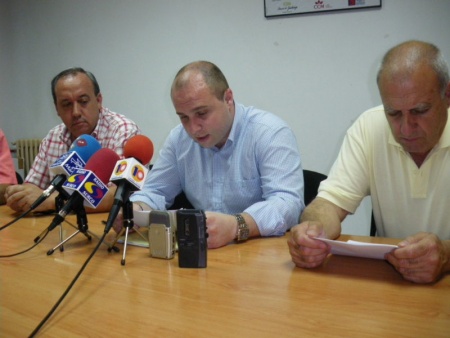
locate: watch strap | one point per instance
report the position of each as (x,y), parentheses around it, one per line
(243,232)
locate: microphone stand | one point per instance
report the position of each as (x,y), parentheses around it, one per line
(59,203)
(128,224)
(82,227)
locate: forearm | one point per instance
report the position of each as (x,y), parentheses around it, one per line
(328,214)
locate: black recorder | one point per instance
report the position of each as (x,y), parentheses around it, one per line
(191,237)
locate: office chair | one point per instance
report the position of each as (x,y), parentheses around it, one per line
(312,181)
(373,227)
(181,202)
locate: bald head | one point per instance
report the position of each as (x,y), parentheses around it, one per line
(207,71)
(400,62)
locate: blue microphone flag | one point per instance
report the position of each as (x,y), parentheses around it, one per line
(88,185)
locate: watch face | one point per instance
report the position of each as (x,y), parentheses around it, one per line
(243,231)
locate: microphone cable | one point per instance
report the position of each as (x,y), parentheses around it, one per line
(43,213)
(16,219)
(37,241)
(68,288)
(26,250)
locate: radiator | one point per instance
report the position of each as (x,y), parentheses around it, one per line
(27,150)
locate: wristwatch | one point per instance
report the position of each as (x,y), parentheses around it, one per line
(243,232)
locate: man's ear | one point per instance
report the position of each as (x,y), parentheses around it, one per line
(229,96)
(99,100)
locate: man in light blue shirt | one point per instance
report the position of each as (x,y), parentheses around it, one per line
(239,164)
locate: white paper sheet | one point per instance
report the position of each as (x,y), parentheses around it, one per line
(359,249)
(141,217)
(137,238)
(139,235)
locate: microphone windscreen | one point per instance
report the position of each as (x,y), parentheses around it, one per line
(140,147)
(85,146)
(102,164)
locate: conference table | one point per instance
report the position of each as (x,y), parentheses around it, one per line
(250,289)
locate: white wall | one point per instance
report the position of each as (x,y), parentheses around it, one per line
(316,71)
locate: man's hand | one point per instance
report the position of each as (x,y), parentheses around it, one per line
(307,252)
(118,222)
(421,258)
(20,197)
(221,229)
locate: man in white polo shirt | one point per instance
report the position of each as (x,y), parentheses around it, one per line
(399,154)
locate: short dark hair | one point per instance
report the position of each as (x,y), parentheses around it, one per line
(74,71)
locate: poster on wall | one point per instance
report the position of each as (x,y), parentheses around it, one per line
(283,7)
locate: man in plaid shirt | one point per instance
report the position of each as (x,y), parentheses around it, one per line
(78,102)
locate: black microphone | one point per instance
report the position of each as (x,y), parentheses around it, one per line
(129,173)
(79,153)
(87,185)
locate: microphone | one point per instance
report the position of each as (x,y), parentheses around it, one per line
(129,173)
(85,145)
(140,147)
(87,184)
(79,153)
